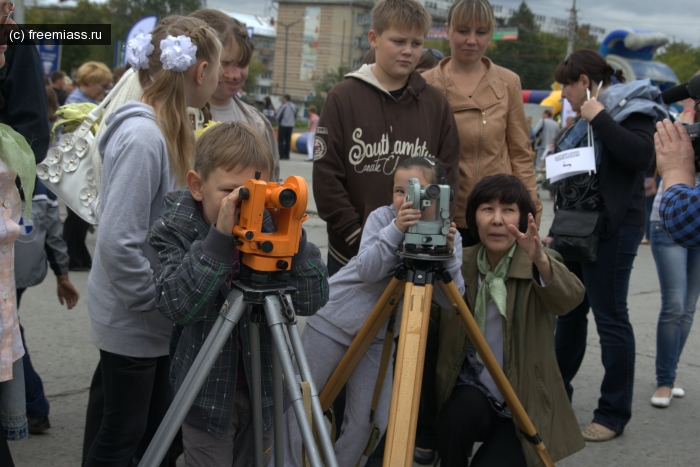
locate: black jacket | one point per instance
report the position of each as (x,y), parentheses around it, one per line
(23,103)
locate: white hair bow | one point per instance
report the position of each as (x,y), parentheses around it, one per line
(137,51)
(178,53)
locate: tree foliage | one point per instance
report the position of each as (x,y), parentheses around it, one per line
(684,59)
(121,14)
(536,54)
(325,84)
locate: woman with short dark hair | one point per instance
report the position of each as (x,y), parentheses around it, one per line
(622,120)
(515,288)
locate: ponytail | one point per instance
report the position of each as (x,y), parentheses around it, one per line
(164,90)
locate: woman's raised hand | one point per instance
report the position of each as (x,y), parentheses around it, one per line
(531,244)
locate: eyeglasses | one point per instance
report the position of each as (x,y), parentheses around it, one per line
(436,53)
(6,9)
(105,86)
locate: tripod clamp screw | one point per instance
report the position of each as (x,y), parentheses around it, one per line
(288,309)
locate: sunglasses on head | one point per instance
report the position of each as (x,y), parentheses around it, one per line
(436,53)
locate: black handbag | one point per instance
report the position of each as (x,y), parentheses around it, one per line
(575,238)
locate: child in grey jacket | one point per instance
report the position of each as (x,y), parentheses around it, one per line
(354,291)
(41,243)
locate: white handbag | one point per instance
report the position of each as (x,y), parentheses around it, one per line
(69,169)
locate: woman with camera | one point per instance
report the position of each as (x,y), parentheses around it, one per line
(515,288)
(622,123)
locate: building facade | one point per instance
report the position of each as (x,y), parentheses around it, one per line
(317,36)
(263,33)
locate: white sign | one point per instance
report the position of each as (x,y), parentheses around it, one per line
(568,163)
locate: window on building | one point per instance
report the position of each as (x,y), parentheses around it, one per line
(364,19)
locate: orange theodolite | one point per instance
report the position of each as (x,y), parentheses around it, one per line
(286,202)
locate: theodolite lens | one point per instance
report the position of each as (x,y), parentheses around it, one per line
(432,192)
(287,198)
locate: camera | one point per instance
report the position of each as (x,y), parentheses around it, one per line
(689,90)
(435,200)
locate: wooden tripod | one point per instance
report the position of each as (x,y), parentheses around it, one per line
(415,280)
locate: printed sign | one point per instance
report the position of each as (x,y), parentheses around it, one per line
(568,163)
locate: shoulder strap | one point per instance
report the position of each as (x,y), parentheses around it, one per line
(94,115)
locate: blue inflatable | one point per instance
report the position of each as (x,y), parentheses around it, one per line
(300,143)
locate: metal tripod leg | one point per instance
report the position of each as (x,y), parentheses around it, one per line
(275,320)
(278,395)
(194,380)
(482,347)
(256,396)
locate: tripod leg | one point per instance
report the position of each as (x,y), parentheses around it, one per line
(405,398)
(275,320)
(317,412)
(482,347)
(193,381)
(278,407)
(256,395)
(362,341)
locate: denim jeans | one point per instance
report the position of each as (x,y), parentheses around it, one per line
(607,282)
(137,395)
(679,278)
(13,416)
(37,404)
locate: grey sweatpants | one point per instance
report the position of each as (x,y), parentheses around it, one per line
(324,355)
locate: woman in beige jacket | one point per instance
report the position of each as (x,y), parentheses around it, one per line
(487,103)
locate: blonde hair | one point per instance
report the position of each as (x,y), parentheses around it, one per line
(229,29)
(232,145)
(468,12)
(164,90)
(407,14)
(92,73)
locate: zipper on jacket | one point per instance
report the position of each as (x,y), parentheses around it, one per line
(478,152)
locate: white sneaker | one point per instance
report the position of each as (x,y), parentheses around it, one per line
(678,392)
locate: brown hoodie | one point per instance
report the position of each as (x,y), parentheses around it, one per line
(493,130)
(363,134)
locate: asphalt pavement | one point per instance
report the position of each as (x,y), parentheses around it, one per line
(65,357)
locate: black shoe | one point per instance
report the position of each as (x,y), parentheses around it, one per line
(424,456)
(38,425)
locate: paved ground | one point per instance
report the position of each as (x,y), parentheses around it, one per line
(63,354)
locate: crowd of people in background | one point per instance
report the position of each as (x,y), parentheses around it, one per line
(164,262)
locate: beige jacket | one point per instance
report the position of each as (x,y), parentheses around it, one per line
(493,132)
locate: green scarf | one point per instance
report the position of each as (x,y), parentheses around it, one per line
(16,153)
(493,286)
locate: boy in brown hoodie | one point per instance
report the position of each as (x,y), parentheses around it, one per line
(379,116)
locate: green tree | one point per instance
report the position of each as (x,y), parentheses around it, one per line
(255,69)
(535,54)
(323,86)
(121,14)
(84,12)
(684,59)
